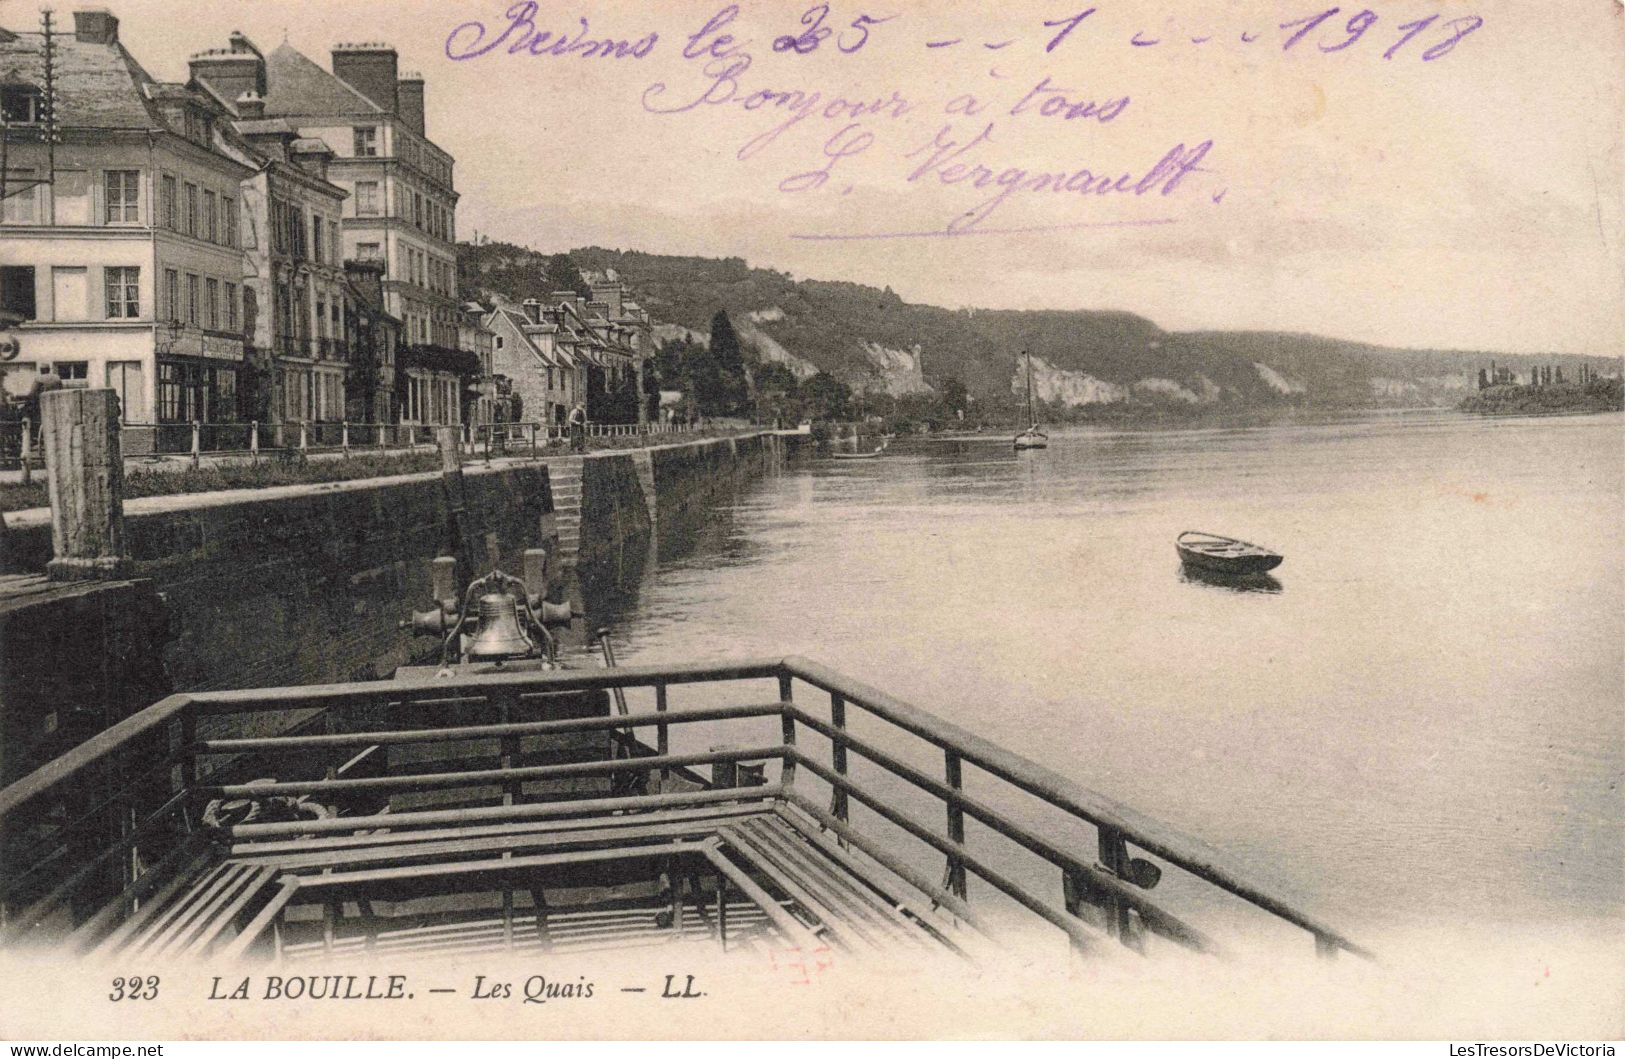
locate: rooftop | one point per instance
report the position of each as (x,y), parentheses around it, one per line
(98,86)
(298,86)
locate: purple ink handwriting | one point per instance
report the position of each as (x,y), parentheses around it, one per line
(813,32)
(948,161)
(1329,31)
(1030,145)
(474,39)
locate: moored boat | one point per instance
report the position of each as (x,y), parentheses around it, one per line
(1224,555)
(1032,437)
(862,455)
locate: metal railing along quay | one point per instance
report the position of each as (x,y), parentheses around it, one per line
(20,440)
(88,837)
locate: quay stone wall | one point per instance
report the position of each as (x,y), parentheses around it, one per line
(309,584)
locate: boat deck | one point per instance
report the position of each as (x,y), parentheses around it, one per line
(520,810)
(738,871)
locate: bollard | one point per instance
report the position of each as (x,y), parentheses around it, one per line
(84,470)
(197,442)
(344,438)
(303,440)
(254,441)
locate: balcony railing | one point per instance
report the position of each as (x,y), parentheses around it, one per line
(89,836)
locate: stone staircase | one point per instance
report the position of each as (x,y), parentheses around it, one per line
(564,475)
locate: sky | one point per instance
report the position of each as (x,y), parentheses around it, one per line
(1190,162)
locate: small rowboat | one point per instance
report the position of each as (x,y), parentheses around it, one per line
(1032,438)
(1224,555)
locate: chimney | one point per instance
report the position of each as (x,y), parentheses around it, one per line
(609,292)
(232,71)
(95,26)
(409,94)
(250,106)
(533,310)
(371,69)
(598,308)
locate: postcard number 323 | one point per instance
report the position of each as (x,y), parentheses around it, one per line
(134,988)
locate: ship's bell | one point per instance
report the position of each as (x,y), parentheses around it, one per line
(499,635)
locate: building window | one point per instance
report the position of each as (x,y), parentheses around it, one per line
(166,203)
(212,296)
(316,239)
(17,290)
(172,295)
(123,196)
(199,127)
(366,198)
(123,293)
(417,210)
(170,389)
(21,105)
(189,211)
(366,141)
(21,206)
(228,215)
(191,300)
(369,251)
(209,207)
(231,307)
(75,374)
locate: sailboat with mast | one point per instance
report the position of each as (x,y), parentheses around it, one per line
(1032,437)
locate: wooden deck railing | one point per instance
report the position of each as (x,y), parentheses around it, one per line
(98,821)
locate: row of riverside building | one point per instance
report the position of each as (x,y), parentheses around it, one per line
(269,241)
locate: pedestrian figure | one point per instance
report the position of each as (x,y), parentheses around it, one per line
(44,383)
(578,428)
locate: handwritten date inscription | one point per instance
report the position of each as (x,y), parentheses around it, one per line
(965,141)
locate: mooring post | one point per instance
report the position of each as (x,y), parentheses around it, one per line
(84,471)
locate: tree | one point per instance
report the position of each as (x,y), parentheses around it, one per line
(824,397)
(775,390)
(730,395)
(561,274)
(953,395)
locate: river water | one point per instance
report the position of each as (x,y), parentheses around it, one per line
(1418,723)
